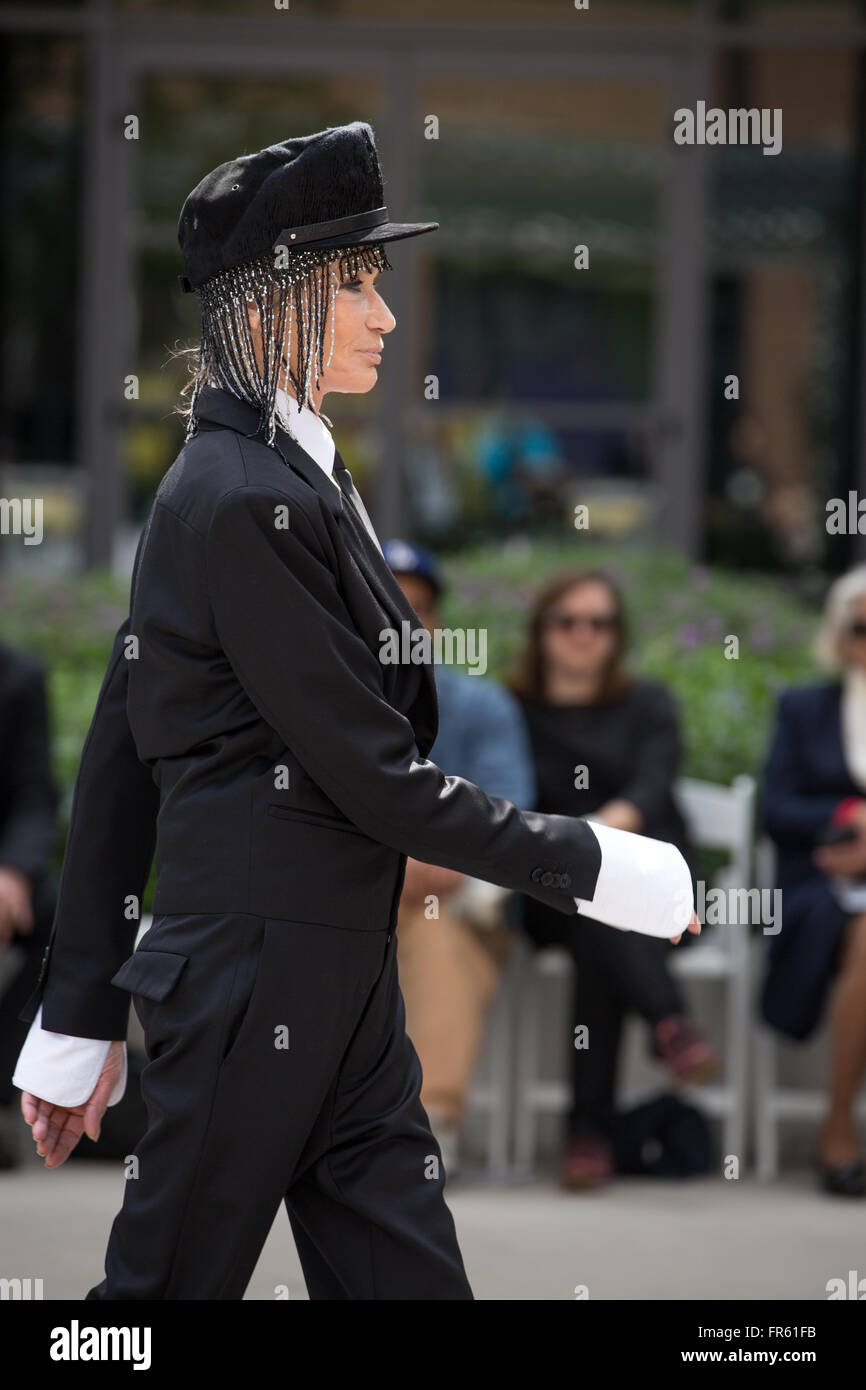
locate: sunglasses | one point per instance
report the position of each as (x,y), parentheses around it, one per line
(857,629)
(567,622)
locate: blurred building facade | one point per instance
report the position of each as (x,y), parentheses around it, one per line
(697,374)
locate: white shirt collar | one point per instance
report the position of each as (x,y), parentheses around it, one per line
(316,440)
(305,426)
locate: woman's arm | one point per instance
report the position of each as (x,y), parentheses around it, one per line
(106,865)
(64,1069)
(284,626)
(75,1013)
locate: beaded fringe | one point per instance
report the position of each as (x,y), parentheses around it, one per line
(304,305)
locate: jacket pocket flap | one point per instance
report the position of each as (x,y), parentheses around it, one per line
(151,973)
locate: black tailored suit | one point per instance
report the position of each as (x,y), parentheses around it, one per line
(248,729)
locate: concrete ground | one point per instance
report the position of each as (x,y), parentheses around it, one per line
(705,1239)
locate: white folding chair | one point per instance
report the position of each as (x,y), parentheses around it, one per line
(718,817)
(722,818)
(492,1089)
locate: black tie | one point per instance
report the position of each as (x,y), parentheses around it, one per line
(344,478)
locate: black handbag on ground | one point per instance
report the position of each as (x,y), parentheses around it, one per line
(662,1138)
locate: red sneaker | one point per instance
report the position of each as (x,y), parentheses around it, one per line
(682,1047)
(588,1162)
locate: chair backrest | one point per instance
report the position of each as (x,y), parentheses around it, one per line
(720,817)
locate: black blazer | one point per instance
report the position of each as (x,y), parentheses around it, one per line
(805,778)
(247,727)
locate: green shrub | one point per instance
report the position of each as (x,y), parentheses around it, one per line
(680,616)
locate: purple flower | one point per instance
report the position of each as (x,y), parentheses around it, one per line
(762,638)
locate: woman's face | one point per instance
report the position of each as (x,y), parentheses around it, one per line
(361,319)
(580,631)
(854,635)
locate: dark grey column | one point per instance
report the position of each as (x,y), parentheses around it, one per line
(398,390)
(857,384)
(106,289)
(680,346)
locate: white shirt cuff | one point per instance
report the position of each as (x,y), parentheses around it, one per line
(63,1069)
(644,885)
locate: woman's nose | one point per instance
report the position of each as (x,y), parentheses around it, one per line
(382,318)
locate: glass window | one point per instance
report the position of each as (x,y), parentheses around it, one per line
(442,11)
(544,369)
(783,263)
(41,134)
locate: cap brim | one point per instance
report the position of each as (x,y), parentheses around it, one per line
(389,231)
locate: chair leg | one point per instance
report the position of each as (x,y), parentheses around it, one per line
(766,1132)
(501,1068)
(736,1055)
(526,1120)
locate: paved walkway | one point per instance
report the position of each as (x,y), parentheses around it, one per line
(708,1239)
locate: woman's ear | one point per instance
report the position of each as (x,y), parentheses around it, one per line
(254,319)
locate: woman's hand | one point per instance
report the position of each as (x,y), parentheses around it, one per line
(848,860)
(58,1128)
(694,927)
(16,904)
(423,880)
(622,815)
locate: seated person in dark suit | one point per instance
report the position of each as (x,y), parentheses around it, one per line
(815,778)
(28,827)
(606,746)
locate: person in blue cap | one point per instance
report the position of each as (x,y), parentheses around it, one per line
(453,937)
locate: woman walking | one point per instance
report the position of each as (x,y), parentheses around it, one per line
(251,725)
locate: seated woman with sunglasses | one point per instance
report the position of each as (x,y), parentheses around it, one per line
(814,808)
(605,745)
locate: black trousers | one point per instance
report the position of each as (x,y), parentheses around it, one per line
(617,973)
(279,1071)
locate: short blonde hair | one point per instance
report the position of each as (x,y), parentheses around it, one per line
(831,633)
